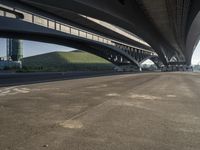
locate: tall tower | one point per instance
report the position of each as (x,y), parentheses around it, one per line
(14,49)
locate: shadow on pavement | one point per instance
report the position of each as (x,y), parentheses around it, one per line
(14,79)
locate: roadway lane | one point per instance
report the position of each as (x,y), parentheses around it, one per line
(153,111)
(12,79)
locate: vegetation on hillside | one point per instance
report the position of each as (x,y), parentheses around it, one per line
(66,61)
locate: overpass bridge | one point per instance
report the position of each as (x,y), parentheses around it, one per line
(168,29)
(26,23)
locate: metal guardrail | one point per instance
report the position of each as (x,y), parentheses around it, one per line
(23,15)
(5,10)
(52,24)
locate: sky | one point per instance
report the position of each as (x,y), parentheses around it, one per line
(31,48)
(35,48)
(196,55)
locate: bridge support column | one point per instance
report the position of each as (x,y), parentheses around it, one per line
(14,49)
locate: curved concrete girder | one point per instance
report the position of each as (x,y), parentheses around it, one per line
(154,59)
(174,59)
(192,39)
(19,29)
(130,58)
(193,35)
(149,57)
(128,16)
(78,21)
(157,62)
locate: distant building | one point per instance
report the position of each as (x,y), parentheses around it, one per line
(14,55)
(14,49)
(6,64)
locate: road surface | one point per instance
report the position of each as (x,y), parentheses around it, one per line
(153,111)
(12,79)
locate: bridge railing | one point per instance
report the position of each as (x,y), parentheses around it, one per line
(52,24)
(62,27)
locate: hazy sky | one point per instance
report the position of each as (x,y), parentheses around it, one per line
(31,48)
(35,48)
(196,55)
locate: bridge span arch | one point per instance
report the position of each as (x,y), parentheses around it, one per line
(193,31)
(12,28)
(154,59)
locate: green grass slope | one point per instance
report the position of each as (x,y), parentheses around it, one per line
(66,61)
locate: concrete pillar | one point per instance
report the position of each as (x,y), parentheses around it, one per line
(15,49)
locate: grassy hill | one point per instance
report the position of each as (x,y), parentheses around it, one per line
(66,61)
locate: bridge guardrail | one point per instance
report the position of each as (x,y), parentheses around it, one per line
(59,26)
(50,23)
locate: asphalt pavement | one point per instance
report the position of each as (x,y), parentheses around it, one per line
(152,111)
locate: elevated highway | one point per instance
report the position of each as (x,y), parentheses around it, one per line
(170,27)
(22,23)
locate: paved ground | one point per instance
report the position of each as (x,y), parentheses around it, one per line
(13,79)
(126,112)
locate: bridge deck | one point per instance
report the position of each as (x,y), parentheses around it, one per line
(147,111)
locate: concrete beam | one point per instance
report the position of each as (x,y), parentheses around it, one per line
(128,16)
(12,28)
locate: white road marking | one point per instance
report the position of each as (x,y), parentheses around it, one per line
(98,86)
(147,97)
(113,94)
(13,91)
(171,96)
(71,124)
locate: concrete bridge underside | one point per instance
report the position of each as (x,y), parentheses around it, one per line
(18,26)
(170,27)
(12,28)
